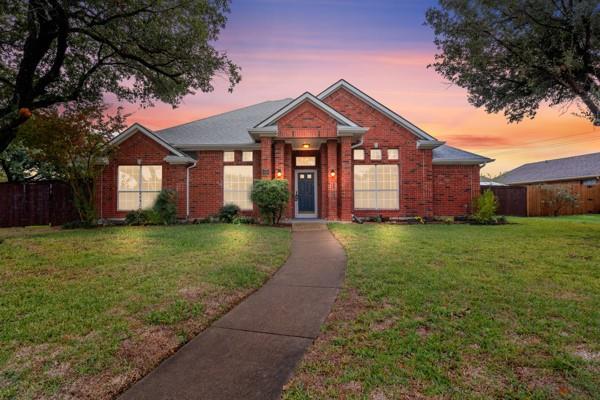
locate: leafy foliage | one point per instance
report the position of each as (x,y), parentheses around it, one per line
(511,55)
(271,197)
(142,217)
(228,213)
(18,164)
(73,140)
(165,207)
(55,52)
(557,198)
(485,208)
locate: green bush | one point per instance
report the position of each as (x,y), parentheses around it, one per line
(228,213)
(271,197)
(485,208)
(165,207)
(142,217)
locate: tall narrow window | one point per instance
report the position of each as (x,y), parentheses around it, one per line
(138,187)
(237,185)
(376,187)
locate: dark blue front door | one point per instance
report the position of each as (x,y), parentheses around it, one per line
(306,192)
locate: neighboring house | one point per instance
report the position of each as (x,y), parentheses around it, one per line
(578,169)
(487,182)
(342,153)
(579,175)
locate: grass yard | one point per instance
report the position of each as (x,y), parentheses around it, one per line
(462,312)
(84,313)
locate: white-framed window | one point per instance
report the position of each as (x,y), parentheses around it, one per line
(247,156)
(309,161)
(392,154)
(138,186)
(375,154)
(358,154)
(376,187)
(237,185)
(228,156)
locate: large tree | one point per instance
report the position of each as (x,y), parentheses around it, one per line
(59,51)
(512,55)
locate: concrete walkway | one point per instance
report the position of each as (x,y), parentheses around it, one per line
(251,352)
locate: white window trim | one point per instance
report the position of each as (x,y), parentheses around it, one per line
(244,154)
(397,154)
(397,190)
(362,151)
(371,155)
(139,190)
(225,158)
(238,191)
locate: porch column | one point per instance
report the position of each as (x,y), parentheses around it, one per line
(345,178)
(266,158)
(332,195)
(279,159)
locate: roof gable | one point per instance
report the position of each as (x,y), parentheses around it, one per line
(306,97)
(378,106)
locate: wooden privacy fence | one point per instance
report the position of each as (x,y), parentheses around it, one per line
(36,203)
(512,200)
(538,198)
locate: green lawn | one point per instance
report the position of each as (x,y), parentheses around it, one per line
(462,312)
(84,313)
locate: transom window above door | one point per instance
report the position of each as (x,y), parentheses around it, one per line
(305,161)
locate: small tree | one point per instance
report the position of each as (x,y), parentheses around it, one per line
(557,199)
(485,208)
(73,140)
(165,206)
(271,197)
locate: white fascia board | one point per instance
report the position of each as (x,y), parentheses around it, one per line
(461,161)
(428,144)
(192,147)
(265,131)
(127,133)
(378,106)
(178,160)
(299,100)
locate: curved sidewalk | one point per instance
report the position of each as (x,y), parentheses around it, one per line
(251,352)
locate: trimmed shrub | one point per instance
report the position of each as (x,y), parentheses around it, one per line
(228,213)
(142,217)
(165,207)
(271,197)
(485,208)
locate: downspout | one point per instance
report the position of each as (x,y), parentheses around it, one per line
(187,189)
(360,143)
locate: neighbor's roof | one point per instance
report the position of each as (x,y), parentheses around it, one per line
(451,155)
(229,128)
(560,169)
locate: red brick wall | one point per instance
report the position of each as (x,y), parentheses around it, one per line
(454,187)
(138,147)
(415,168)
(307,120)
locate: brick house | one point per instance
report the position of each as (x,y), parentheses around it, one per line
(342,153)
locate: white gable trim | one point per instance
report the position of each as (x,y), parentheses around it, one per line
(378,106)
(127,133)
(299,100)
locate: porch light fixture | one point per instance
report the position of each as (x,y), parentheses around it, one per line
(279,173)
(305,146)
(332,173)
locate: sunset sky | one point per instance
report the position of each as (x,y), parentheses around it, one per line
(383,48)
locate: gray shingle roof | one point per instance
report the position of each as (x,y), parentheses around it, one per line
(229,128)
(584,166)
(449,154)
